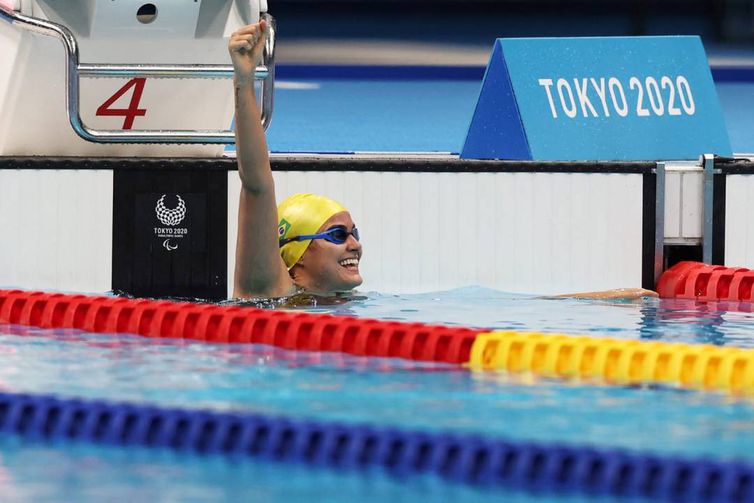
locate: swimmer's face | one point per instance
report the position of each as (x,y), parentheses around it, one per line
(330,267)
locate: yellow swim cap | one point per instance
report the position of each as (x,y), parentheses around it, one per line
(300,215)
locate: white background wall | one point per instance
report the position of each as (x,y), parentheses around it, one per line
(56,229)
(684,203)
(739,224)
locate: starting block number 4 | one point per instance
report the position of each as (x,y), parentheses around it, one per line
(133,110)
(608,98)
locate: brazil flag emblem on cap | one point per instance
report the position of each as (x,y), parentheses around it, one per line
(283,228)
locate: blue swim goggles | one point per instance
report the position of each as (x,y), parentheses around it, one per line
(336,235)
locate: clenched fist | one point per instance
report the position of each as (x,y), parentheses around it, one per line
(246,46)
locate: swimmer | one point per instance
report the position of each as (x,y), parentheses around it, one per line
(309,243)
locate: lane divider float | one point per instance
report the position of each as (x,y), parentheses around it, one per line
(615,361)
(595,359)
(704,282)
(460,458)
(221,324)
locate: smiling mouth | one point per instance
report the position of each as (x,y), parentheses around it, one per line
(350,263)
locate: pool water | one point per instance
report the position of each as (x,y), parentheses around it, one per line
(388,392)
(85,473)
(478,307)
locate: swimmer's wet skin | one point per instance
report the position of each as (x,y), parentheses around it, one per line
(615,294)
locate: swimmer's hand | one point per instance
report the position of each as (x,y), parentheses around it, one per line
(616,294)
(246,47)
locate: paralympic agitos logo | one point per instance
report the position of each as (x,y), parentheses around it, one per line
(170,218)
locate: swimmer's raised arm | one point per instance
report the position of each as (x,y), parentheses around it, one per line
(259,268)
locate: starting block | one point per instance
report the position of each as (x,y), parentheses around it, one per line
(597,99)
(122,78)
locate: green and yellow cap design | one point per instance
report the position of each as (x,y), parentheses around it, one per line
(300,215)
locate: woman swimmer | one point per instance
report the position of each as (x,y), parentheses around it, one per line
(309,242)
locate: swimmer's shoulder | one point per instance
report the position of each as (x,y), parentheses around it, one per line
(248,291)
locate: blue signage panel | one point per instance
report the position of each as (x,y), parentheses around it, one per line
(603,98)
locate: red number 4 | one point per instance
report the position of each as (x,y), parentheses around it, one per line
(133,109)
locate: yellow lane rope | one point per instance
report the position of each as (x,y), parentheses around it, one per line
(616,361)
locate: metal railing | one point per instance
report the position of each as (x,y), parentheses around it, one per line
(76,70)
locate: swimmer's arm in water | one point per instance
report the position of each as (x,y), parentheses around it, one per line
(259,268)
(615,294)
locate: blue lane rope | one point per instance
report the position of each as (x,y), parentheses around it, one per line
(461,458)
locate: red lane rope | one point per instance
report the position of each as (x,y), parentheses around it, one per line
(699,281)
(219,324)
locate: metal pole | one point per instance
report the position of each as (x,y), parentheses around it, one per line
(659,221)
(165,71)
(708,161)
